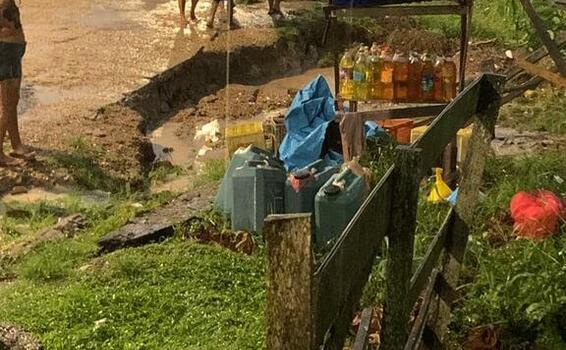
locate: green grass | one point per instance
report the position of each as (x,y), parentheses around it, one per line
(544,111)
(517,285)
(213,170)
(504,20)
(81,161)
(55,260)
(171,296)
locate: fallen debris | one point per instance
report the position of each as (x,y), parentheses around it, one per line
(66,227)
(159,224)
(14,338)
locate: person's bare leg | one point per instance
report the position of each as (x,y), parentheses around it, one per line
(277,7)
(5,102)
(182,19)
(12,90)
(193,9)
(270,3)
(213,9)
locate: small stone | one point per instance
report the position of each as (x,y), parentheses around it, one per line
(19,190)
(509,54)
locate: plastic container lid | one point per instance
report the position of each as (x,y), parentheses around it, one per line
(332,190)
(301,174)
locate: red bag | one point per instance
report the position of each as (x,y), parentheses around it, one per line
(536,214)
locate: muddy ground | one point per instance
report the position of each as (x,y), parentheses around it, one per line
(84,58)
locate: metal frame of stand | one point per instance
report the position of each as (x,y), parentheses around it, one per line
(384,8)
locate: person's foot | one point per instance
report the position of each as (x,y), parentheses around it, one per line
(183,22)
(23,152)
(209,24)
(6,161)
(193,17)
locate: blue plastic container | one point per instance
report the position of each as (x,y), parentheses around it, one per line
(258,191)
(336,203)
(303,184)
(223,200)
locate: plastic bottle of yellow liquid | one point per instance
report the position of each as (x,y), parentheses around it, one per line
(374,76)
(440,190)
(346,75)
(360,76)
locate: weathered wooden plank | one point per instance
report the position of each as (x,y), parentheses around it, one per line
(344,272)
(536,56)
(445,291)
(396,113)
(542,72)
(446,125)
(159,224)
(393,10)
(543,35)
(401,238)
(431,259)
(416,334)
(289,282)
(361,341)
(468,193)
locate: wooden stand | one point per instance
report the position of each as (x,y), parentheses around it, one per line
(406,8)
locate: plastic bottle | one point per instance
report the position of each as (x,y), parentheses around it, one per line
(427,79)
(346,75)
(374,76)
(386,75)
(448,80)
(438,80)
(400,77)
(360,76)
(415,72)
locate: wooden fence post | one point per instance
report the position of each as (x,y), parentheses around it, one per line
(289,311)
(401,238)
(468,193)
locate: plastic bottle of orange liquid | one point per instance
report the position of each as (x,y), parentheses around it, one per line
(414,93)
(448,80)
(438,80)
(386,75)
(400,77)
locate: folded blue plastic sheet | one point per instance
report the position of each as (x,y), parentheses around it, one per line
(306,122)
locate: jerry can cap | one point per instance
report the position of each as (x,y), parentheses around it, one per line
(301,174)
(332,190)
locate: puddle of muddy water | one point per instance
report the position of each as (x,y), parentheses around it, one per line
(102,18)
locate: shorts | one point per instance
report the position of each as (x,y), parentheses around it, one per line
(11,60)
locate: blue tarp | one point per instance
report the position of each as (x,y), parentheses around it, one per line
(306,122)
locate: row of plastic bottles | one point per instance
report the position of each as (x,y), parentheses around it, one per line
(373,74)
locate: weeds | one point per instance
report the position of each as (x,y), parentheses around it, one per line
(544,111)
(504,20)
(519,285)
(212,170)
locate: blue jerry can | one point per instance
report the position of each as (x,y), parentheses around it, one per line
(303,184)
(259,188)
(336,203)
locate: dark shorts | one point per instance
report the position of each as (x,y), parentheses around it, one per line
(11,60)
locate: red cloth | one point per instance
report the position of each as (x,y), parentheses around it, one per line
(536,214)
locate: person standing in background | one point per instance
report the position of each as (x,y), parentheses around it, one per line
(12,49)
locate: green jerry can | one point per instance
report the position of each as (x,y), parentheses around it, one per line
(259,189)
(223,200)
(336,203)
(303,184)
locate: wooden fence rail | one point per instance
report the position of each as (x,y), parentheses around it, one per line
(310,308)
